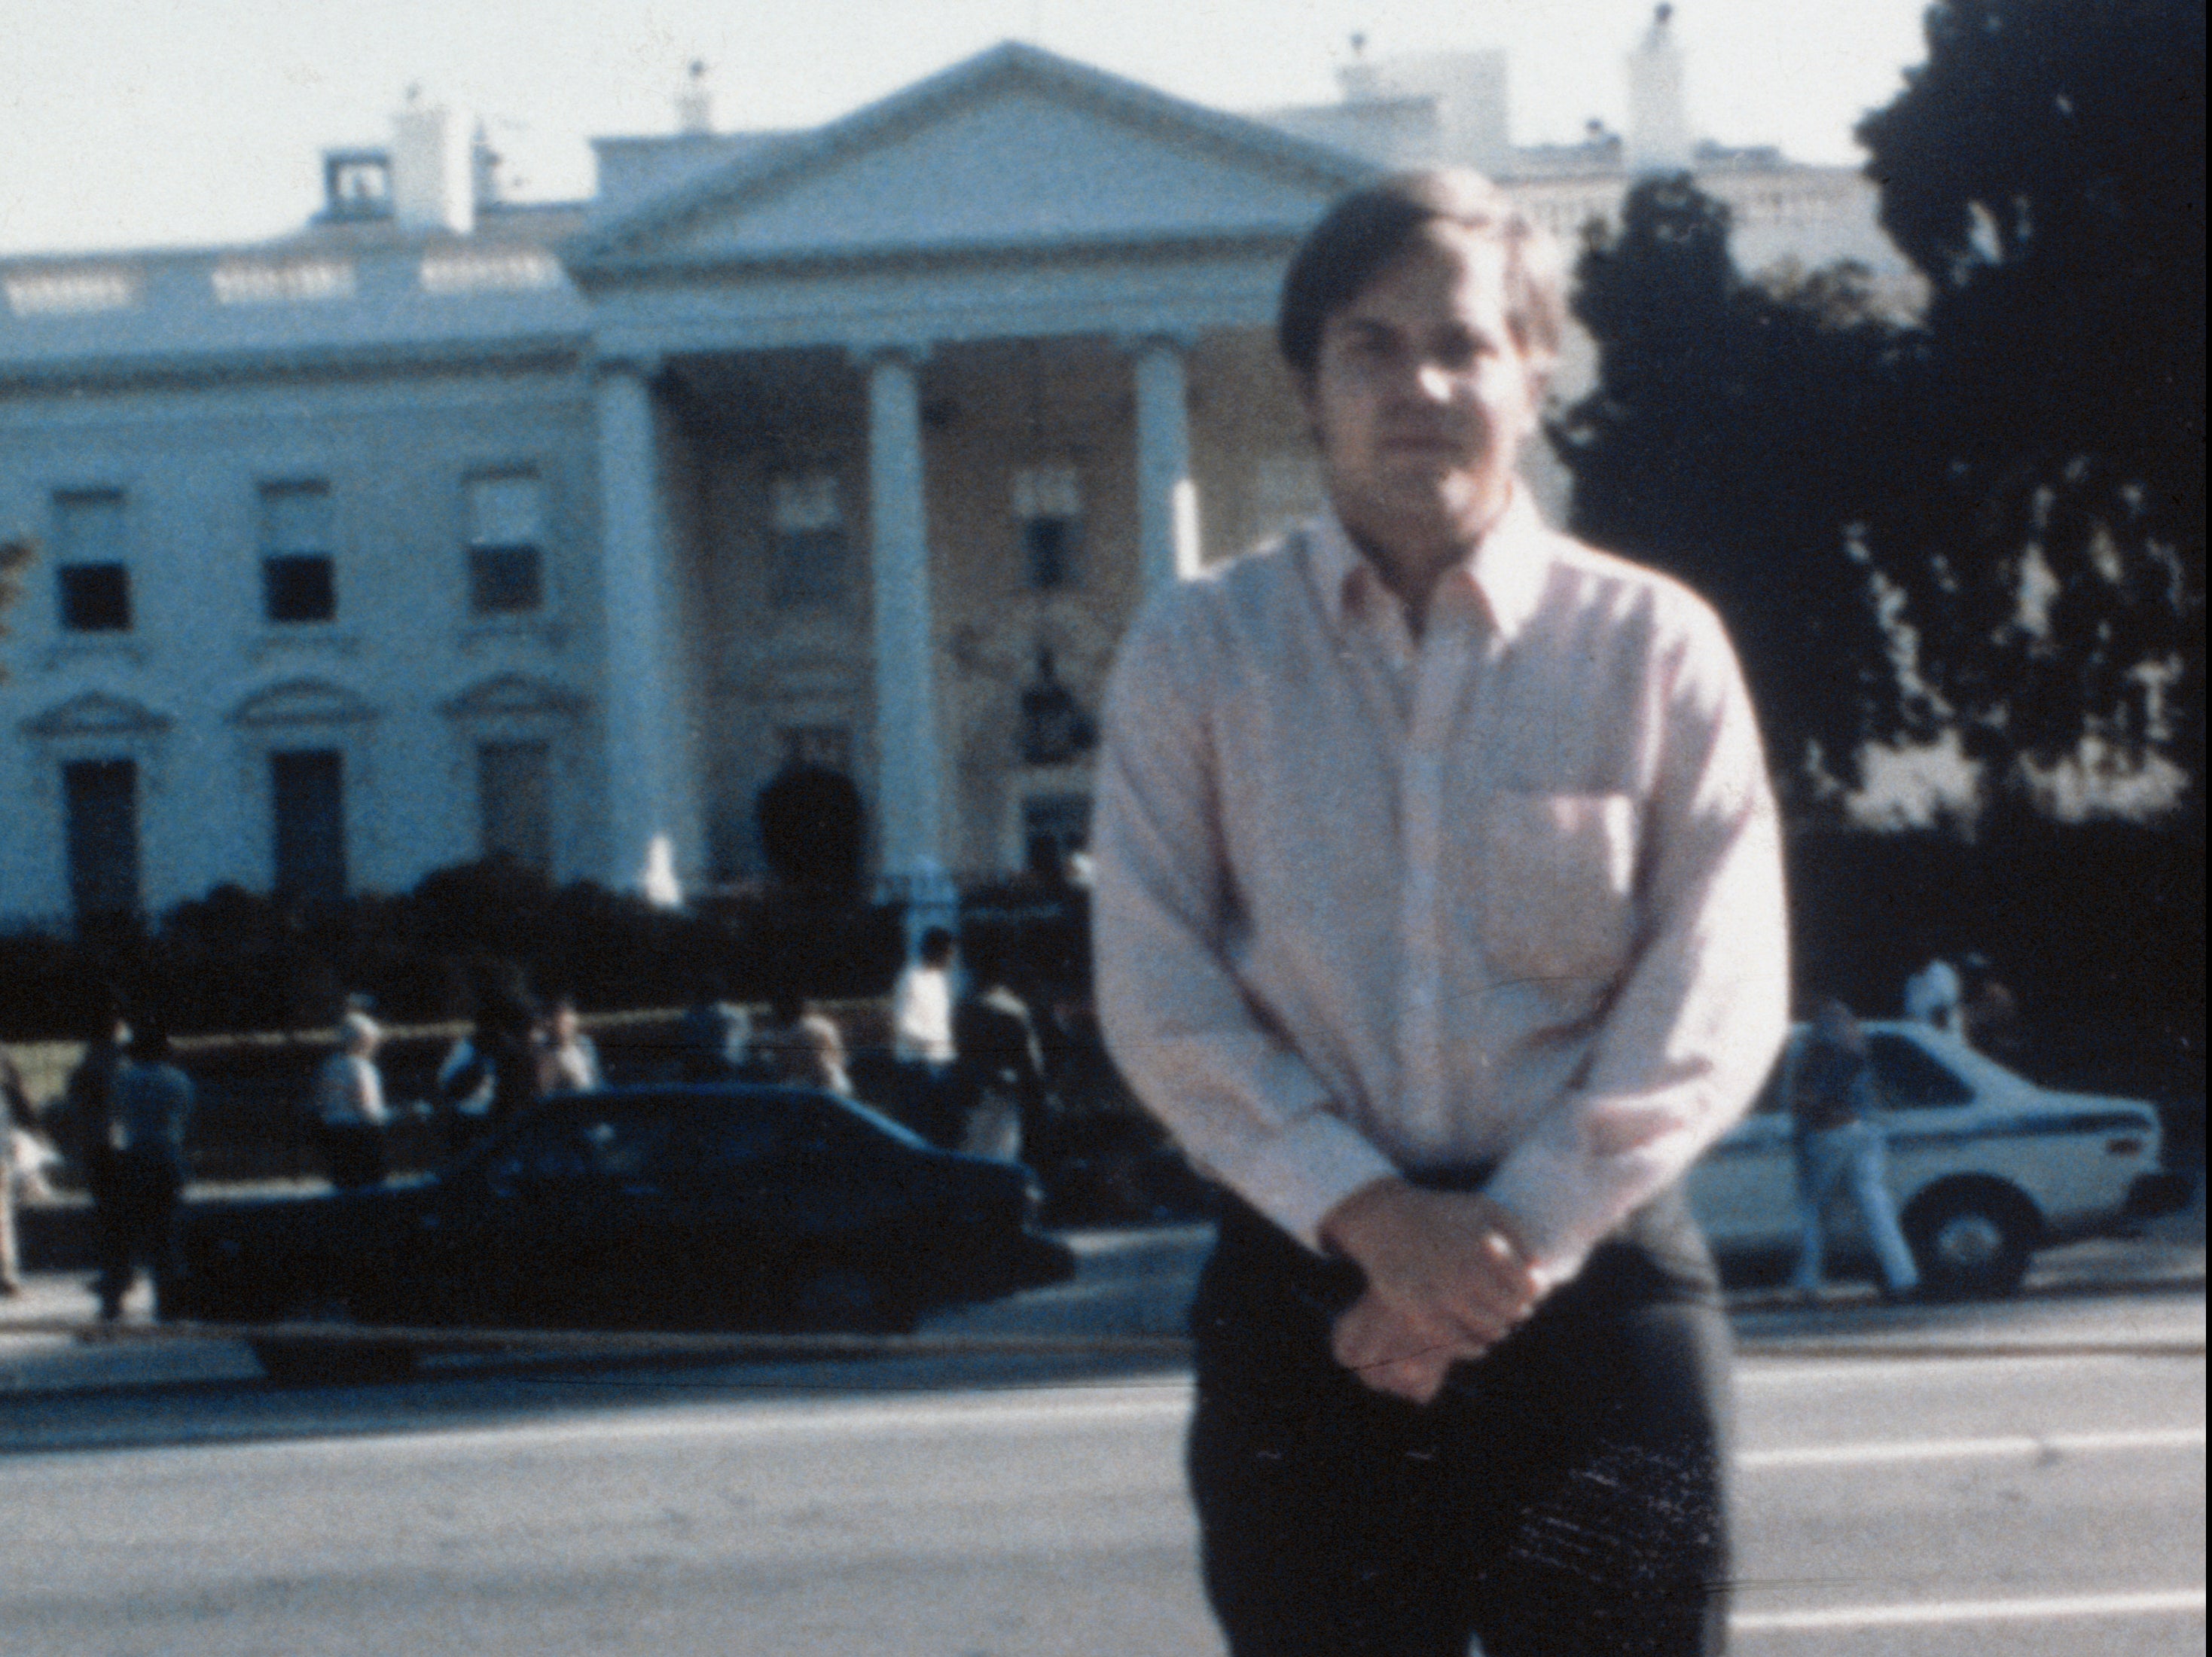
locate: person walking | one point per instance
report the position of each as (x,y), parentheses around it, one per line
(16,1117)
(1438,914)
(567,1058)
(996,1038)
(1838,1146)
(800,1046)
(144,1170)
(349,1104)
(923,1044)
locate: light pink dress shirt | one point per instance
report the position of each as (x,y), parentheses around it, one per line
(1508,892)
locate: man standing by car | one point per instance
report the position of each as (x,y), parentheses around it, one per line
(1440,915)
(1837,1138)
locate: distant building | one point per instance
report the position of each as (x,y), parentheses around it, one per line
(451,527)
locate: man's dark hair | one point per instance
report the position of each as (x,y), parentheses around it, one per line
(935,947)
(1372,226)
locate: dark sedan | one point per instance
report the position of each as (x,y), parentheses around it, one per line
(662,1208)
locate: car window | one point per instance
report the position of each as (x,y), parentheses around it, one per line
(1912,1079)
(740,1137)
(609,1145)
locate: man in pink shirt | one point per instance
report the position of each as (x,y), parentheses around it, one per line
(1440,915)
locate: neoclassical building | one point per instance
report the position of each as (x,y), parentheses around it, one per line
(450,526)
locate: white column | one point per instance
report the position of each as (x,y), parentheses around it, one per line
(1167,498)
(909,797)
(643,738)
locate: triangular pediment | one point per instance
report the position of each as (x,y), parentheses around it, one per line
(1013,150)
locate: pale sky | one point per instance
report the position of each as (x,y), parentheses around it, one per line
(137,123)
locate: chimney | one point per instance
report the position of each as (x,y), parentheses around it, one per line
(1658,122)
(483,170)
(694,105)
(431,189)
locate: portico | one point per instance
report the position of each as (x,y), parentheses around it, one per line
(898,421)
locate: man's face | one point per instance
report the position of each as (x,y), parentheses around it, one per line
(1420,399)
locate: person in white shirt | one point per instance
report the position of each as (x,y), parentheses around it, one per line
(1438,914)
(921,1004)
(567,1058)
(921,1038)
(349,1104)
(1934,996)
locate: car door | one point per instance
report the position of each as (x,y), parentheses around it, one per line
(1935,1124)
(1743,1190)
(568,1220)
(782,1186)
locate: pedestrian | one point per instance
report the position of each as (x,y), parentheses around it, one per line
(1440,916)
(800,1046)
(144,1171)
(89,1130)
(349,1104)
(716,1034)
(922,1040)
(16,1117)
(1934,996)
(1990,1014)
(997,1041)
(1837,1138)
(567,1058)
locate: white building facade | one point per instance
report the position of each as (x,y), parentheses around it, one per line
(559,532)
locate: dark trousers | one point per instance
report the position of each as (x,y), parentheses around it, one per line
(134,1207)
(1563,1497)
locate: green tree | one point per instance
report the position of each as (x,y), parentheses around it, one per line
(2044,170)
(1735,438)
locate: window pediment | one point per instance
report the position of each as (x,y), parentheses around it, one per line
(506,695)
(96,714)
(301,701)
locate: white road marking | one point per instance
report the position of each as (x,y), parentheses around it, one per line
(1971,1610)
(1957,1449)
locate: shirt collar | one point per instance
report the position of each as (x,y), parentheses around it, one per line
(1507,570)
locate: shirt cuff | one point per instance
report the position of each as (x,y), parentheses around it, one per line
(1548,1195)
(1304,1172)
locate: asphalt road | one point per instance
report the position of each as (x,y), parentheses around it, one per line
(2029,1479)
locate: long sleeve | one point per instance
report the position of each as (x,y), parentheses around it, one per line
(1693,1027)
(1192,1042)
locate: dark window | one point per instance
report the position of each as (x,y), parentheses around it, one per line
(306,791)
(810,567)
(100,800)
(807,550)
(299,586)
(1910,1079)
(504,580)
(514,791)
(95,598)
(1050,545)
(1054,828)
(506,531)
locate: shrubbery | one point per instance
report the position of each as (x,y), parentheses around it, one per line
(234,961)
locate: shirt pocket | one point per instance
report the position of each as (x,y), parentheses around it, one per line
(1558,883)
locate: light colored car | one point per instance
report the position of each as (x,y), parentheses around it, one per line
(1984,1166)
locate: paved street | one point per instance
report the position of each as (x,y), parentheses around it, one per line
(2026,1477)
(1920,1504)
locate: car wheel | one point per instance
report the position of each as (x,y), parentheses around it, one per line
(1971,1242)
(843,1299)
(333,1362)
